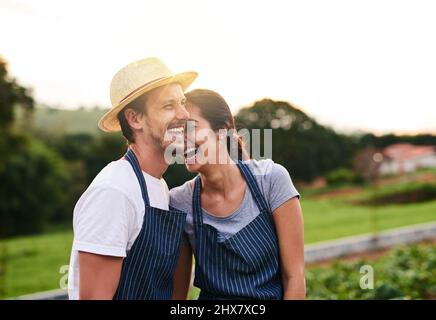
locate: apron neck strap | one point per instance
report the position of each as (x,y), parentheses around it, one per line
(130,156)
(254,187)
(196,202)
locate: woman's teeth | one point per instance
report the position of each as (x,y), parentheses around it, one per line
(190,152)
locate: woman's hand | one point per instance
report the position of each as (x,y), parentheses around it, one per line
(182,274)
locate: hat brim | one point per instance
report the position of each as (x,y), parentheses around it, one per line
(109,121)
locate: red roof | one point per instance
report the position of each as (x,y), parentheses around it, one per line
(407,151)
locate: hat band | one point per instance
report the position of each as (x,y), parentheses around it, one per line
(141,87)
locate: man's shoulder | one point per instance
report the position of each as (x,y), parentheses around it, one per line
(114,174)
(118,175)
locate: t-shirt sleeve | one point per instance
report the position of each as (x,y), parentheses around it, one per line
(101,222)
(281,188)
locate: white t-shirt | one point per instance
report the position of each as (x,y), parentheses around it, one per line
(109,215)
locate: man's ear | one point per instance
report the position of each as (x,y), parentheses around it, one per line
(134,118)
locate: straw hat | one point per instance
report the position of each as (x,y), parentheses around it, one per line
(134,80)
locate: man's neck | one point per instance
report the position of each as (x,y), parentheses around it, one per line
(150,160)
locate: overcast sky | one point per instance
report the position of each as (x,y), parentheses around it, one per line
(354,65)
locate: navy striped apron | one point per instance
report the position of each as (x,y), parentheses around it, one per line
(147,271)
(244,266)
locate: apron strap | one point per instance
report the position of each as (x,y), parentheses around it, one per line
(196,202)
(254,187)
(130,156)
(251,182)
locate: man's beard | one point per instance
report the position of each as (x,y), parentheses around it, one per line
(158,141)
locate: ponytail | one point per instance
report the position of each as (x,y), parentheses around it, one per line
(241,152)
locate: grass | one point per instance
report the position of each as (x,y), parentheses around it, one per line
(33,263)
(331,219)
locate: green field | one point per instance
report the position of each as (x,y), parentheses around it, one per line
(58,121)
(331,219)
(33,263)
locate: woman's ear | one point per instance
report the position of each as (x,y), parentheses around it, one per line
(134,118)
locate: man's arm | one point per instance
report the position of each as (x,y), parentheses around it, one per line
(182,274)
(99,276)
(102,228)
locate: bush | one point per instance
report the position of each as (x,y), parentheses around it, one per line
(343,176)
(403,194)
(404,273)
(33,190)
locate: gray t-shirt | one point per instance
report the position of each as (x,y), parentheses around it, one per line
(274,183)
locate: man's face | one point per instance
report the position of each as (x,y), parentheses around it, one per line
(165,116)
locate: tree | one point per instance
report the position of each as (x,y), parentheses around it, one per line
(306,148)
(34,181)
(11,94)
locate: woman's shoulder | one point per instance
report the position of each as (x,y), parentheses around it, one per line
(181,196)
(274,181)
(266,168)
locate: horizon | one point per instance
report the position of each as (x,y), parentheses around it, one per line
(351,132)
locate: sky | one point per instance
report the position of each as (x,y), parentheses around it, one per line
(353,65)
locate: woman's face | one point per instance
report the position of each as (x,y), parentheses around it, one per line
(201,142)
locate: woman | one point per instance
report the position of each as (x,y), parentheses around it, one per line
(244,221)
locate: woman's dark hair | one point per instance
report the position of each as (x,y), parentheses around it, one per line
(216,111)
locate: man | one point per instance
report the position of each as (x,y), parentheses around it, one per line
(126,237)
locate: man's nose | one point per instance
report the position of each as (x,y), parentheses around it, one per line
(182,113)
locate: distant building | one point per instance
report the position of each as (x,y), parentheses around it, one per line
(405,157)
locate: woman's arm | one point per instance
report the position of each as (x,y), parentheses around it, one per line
(182,275)
(288,219)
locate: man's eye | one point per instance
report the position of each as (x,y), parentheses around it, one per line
(168,106)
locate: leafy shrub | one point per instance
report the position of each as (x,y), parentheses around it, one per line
(407,193)
(343,176)
(404,273)
(33,189)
